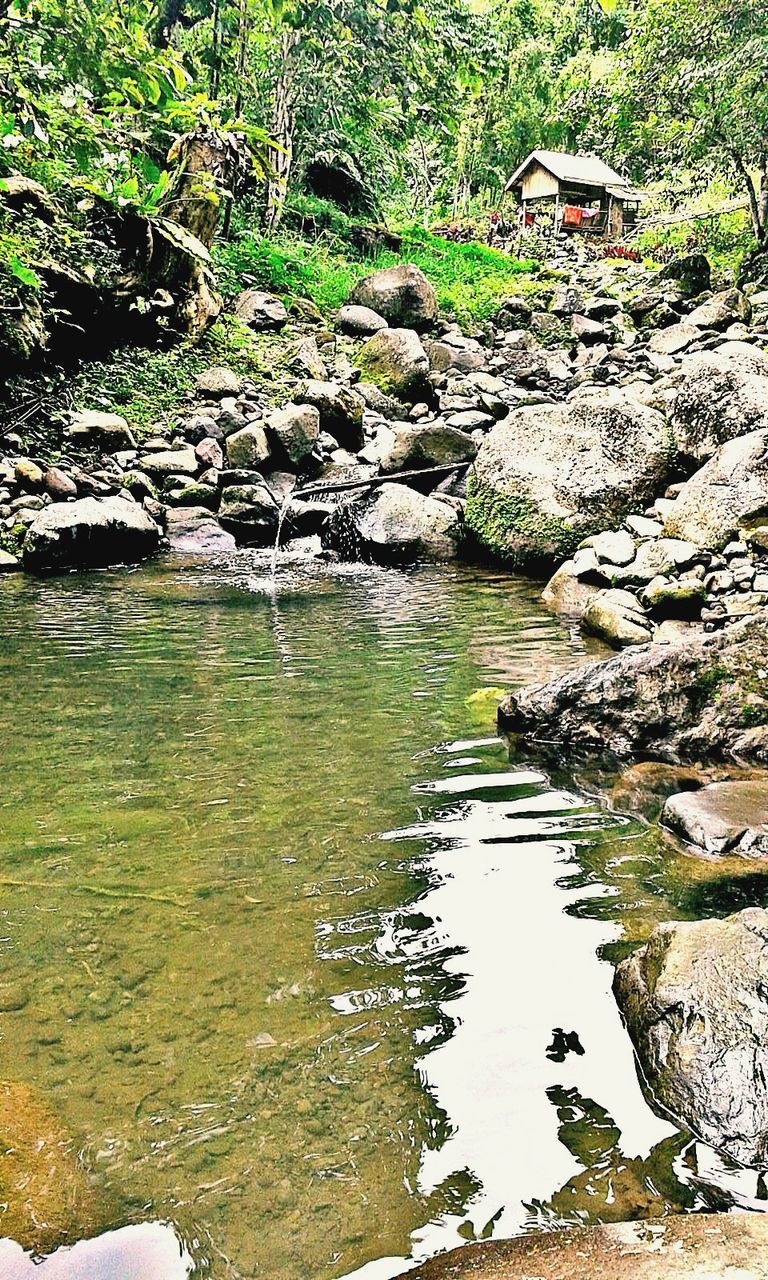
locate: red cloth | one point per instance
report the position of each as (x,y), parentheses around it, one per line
(572,215)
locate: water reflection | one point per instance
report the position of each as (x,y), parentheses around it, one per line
(147,1251)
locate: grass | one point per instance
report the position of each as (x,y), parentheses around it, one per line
(470,280)
(144,386)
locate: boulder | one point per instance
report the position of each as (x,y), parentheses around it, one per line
(402,295)
(567,592)
(616,617)
(411,447)
(550,475)
(247,448)
(89,534)
(614,548)
(217,382)
(695,1246)
(193,531)
(305,359)
(250,512)
(722,310)
(706,697)
(8,562)
(658,556)
(717,396)
(393,525)
(691,272)
(693,1000)
(261,311)
(396,362)
(360,321)
(95,430)
(729,491)
(293,431)
(725,817)
(674,339)
(341,410)
(208,453)
(59,485)
(170,462)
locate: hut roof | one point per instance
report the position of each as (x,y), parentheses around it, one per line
(586,170)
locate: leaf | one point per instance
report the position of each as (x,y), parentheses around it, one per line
(178,236)
(23,273)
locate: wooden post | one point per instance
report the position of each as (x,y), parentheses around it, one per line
(557,215)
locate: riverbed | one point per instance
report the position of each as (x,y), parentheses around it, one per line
(309,968)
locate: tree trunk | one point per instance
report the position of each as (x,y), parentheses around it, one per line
(208,168)
(758,222)
(282,131)
(762,203)
(170,14)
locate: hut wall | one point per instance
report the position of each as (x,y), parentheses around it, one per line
(538,182)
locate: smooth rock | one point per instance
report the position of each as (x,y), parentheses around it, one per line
(192,531)
(413,447)
(87,534)
(393,525)
(360,321)
(695,1246)
(59,485)
(170,462)
(217,382)
(616,616)
(693,1000)
(402,295)
(725,817)
(722,310)
(93,429)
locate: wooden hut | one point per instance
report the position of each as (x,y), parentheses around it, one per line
(579,193)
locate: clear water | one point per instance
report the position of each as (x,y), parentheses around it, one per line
(287,937)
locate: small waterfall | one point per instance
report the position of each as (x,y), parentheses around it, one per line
(287,500)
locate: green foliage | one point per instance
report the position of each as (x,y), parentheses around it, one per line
(470,279)
(146,387)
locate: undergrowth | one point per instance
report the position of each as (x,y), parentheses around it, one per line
(470,279)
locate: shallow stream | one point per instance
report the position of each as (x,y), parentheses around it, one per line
(308,968)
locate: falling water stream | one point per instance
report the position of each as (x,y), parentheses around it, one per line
(316,978)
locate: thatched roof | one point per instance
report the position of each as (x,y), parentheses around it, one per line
(585,170)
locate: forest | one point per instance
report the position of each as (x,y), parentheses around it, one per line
(411,113)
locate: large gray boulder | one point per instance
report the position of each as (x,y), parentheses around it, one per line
(89,534)
(693,999)
(393,525)
(261,311)
(341,410)
(724,817)
(402,295)
(692,1246)
(694,700)
(725,308)
(408,447)
(729,491)
(549,475)
(395,361)
(293,431)
(717,396)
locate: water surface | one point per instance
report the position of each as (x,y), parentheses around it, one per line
(308,968)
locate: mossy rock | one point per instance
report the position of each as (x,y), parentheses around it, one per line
(514,530)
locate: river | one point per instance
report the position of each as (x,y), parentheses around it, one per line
(311,971)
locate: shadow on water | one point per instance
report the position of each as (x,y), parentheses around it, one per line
(308,969)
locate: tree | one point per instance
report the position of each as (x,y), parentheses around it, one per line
(696,70)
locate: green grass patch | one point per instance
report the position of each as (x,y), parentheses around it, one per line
(470,279)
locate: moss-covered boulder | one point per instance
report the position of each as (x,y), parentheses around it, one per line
(550,475)
(699,700)
(395,361)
